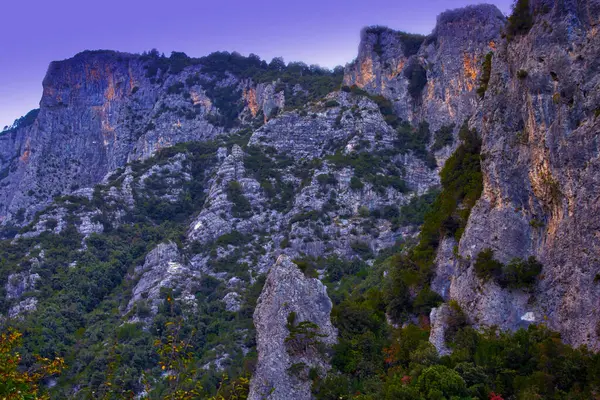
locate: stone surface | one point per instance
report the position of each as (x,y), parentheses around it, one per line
(163,268)
(541,174)
(452,56)
(288,290)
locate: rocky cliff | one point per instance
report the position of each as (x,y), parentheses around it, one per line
(431,78)
(539,124)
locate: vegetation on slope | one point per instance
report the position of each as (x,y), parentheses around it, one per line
(374,360)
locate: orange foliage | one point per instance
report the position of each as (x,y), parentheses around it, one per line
(16,384)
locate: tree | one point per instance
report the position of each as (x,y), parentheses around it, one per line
(277,64)
(177,362)
(439,380)
(16,384)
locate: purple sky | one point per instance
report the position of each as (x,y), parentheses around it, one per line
(325,32)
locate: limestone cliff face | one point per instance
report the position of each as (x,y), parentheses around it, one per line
(288,291)
(539,122)
(388,63)
(453,55)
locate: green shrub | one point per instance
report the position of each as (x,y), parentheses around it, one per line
(364,211)
(485,265)
(302,336)
(233,238)
(520,274)
(326,179)
(312,215)
(439,382)
(443,137)
(486,73)
(520,21)
(241,206)
(426,300)
(414,212)
(307,266)
(356,183)
(361,248)
(416,140)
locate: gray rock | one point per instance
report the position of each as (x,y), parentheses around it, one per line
(541,178)
(19,283)
(163,268)
(287,290)
(438,322)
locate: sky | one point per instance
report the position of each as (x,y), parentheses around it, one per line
(326,32)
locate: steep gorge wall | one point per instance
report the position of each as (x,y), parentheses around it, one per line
(539,124)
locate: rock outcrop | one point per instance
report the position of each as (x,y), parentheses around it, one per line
(163,268)
(282,371)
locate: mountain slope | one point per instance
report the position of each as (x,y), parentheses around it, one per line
(450,176)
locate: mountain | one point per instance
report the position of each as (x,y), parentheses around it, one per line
(381,229)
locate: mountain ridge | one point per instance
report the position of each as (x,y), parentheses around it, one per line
(436,183)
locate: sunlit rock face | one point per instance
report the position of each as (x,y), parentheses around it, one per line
(388,64)
(539,124)
(453,55)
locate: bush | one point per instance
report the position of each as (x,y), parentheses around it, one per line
(241,206)
(485,265)
(233,238)
(520,21)
(326,179)
(441,382)
(520,274)
(426,300)
(361,248)
(443,137)
(364,211)
(356,183)
(416,140)
(486,73)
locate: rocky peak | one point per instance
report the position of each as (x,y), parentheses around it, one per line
(91,78)
(433,78)
(453,56)
(584,13)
